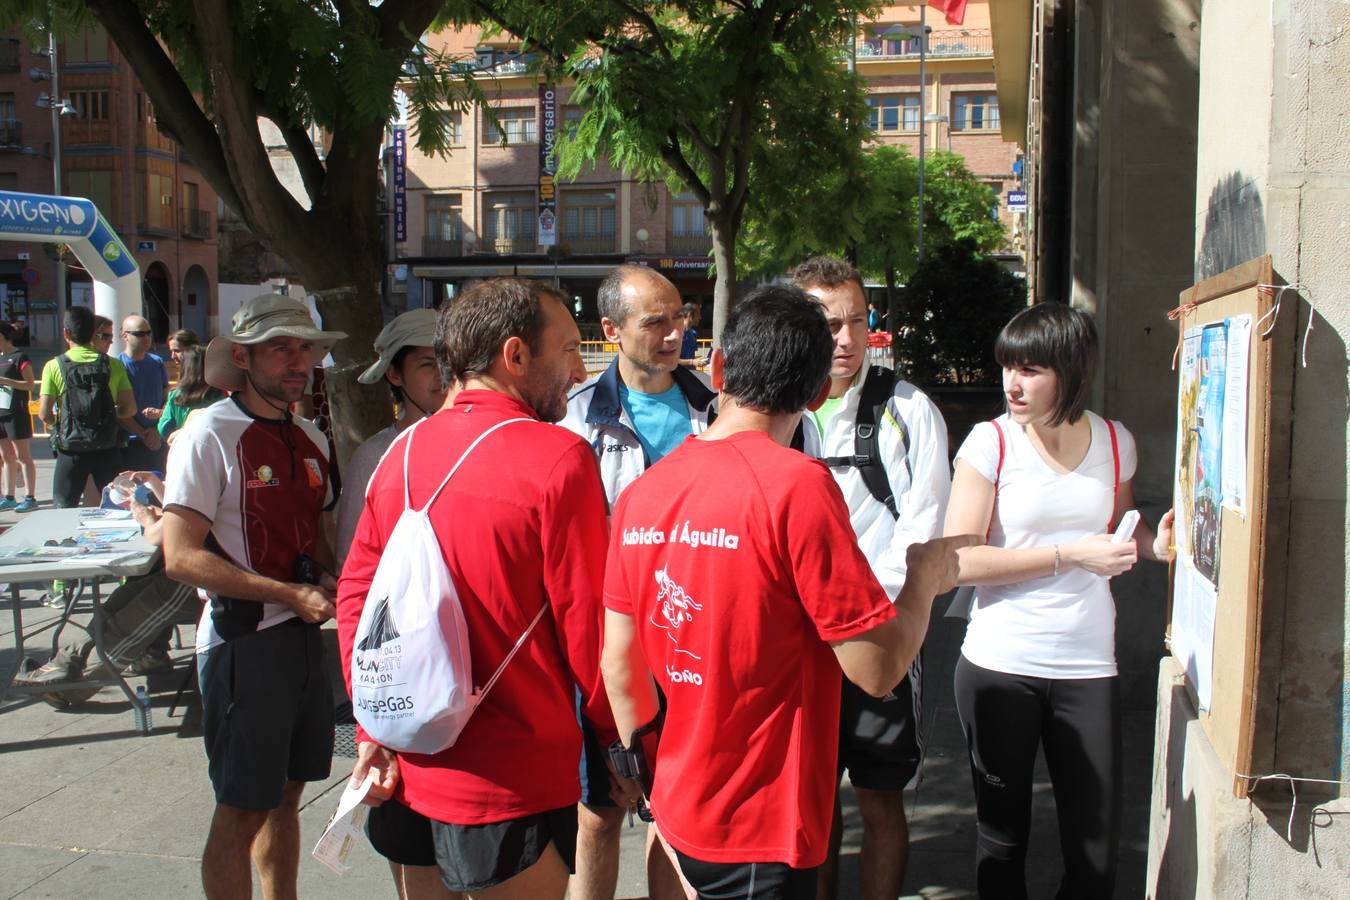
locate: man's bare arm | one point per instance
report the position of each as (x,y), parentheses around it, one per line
(878,659)
(628,680)
(186,559)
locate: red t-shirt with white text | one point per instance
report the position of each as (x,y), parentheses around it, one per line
(736,559)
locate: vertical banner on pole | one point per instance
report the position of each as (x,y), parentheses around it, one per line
(547,231)
(400,183)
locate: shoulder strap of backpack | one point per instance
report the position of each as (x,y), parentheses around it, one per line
(453,469)
(1115,465)
(876,392)
(998,474)
(482,695)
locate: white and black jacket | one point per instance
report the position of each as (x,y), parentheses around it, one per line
(595,413)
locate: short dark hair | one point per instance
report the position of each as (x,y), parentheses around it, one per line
(778,348)
(689,309)
(826,271)
(1058,337)
(8,331)
(471,329)
(79,323)
(185,337)
(609,298)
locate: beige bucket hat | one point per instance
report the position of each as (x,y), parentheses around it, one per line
(416,328)
(261,319)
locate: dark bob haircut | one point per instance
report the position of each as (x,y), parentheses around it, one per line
(778,348)
(1058,337)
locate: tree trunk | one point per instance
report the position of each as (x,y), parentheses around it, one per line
(724,288)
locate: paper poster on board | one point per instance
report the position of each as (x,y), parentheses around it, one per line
(1236,374)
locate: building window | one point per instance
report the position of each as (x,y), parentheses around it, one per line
(9,181)
(87,45)
(90,105)
(974,112)
(11,130)
(508,220)
(893,113)
(572,120)
(516,125)
(588,220)
(454,127)
(444,231)
(157,203)
(94,185)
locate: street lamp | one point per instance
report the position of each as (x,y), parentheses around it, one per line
(939,117)
(921,32)
(59,107)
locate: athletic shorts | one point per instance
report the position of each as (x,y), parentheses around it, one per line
(267,713)
(16,427)
(879,741)
(477,857)
(400,834)
(715,881)
(594,769)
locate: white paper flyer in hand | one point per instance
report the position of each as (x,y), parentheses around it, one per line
(346,826)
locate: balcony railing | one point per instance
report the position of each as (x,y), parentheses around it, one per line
(438,246)
(591,243)
(946,44)
(9,54)
(694,244)
(197,223)
(11,134)
(507,246)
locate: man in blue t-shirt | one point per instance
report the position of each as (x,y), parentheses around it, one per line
(150,384)
(633,413)
(693,316)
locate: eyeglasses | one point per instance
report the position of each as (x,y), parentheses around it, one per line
(106,336)
(135,333)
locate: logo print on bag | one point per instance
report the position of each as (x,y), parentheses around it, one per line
(383,628)
(676,608)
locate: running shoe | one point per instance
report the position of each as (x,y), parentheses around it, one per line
(7,503)
(27,504)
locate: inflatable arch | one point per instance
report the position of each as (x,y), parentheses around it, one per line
(76,222)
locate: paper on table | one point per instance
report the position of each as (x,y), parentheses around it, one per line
(346,826)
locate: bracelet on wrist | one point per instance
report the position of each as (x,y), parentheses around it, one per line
(1055,573)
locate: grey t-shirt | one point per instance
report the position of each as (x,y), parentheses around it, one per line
(357,478)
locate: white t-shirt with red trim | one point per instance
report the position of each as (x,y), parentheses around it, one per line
(262,484)
(737,561)
(1060,626)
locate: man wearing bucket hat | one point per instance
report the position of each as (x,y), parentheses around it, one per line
(245,487)
(407,363)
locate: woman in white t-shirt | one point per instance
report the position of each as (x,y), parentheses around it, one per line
(1047,481)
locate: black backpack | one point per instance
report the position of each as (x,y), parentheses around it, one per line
(88,413)
(876,393)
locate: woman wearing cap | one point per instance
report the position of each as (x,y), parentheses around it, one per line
(408,365)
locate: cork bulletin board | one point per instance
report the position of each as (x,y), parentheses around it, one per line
(1235,360)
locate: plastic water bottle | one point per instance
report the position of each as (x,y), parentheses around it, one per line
(143,714)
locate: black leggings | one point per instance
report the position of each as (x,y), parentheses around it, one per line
(73,470)
(1005,718)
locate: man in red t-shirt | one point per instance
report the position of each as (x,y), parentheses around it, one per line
(521,526)
(735,582)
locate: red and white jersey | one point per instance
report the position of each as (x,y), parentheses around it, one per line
(262,483)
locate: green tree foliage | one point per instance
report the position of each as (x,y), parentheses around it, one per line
(872,213)
(952,309)
(711,97)
(212,68)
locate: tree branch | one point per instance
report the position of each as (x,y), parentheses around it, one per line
(649,25)
(168,92)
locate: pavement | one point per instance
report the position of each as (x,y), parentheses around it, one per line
(90,808)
